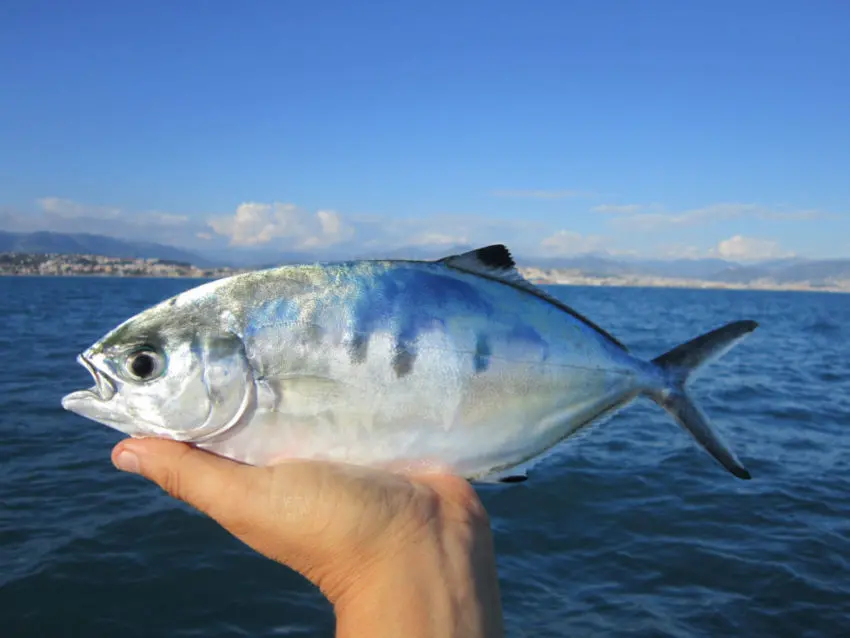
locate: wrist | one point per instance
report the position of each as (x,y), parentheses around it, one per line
(441,582)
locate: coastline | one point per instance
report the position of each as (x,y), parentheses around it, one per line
(40,265)
(688,284)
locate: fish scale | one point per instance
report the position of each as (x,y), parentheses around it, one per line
(455,365)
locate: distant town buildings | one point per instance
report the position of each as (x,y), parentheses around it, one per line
(98,265)
(579,278)
(24,264)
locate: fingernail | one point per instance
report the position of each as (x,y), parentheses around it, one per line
(127,461)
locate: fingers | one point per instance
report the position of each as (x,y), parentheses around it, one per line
(329,521)
(209,483)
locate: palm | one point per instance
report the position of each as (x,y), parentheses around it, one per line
(353,510)
(311,514)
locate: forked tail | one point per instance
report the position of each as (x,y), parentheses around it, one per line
(680,365)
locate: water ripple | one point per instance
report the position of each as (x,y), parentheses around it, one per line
(630,531)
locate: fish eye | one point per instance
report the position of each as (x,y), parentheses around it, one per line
(144,364)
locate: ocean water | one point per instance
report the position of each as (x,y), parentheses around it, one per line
(629,531)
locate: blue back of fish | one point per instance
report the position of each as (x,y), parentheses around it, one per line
(395,360)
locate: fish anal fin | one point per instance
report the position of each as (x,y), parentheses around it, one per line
(514,478)
(505,477)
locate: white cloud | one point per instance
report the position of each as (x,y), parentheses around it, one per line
(630,218)
(68,209)
(750,249)
(445,230)
(164,219)
(567,242)
(67,216)
(619,209)
(541,194)
(714,212)
(795,215)
(270,227)
(681,251)
(438,239)
(256,223)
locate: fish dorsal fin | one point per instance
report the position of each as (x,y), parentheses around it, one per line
(491,261)
(496,262)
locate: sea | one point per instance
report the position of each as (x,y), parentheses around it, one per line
(631,530)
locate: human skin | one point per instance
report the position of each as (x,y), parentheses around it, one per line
(396,555)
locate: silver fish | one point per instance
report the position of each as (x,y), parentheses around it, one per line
(455,365)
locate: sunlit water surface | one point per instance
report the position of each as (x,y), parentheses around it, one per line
(629,531)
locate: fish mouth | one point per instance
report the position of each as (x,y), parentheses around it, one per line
(103,389)
(102,402)
(103,386)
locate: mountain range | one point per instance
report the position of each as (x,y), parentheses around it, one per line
(46,242)
(790,270)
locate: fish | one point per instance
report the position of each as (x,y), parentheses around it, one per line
(458,364)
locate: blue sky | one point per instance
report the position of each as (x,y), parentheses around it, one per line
(658,128)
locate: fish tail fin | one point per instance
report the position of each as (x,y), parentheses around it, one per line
(678,367)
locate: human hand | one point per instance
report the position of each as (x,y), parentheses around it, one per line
(395,555)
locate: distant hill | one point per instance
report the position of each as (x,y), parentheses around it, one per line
(788,271)
(783,271)
(598,265)
(689,268)
(89,244)
(815,271)
(259,258)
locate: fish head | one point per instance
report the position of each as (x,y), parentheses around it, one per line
(173,371)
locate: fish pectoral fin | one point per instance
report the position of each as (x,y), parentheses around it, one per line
(313,383)
(303,392)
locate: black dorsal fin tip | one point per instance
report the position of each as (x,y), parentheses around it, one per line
(496,256)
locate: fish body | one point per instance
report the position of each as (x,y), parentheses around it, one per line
(454,365)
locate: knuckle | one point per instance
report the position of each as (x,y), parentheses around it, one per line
(172,484)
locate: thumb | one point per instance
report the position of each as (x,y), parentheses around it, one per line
(274,511)
(214,485)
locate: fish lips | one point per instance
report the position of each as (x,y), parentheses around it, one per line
(94,402)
